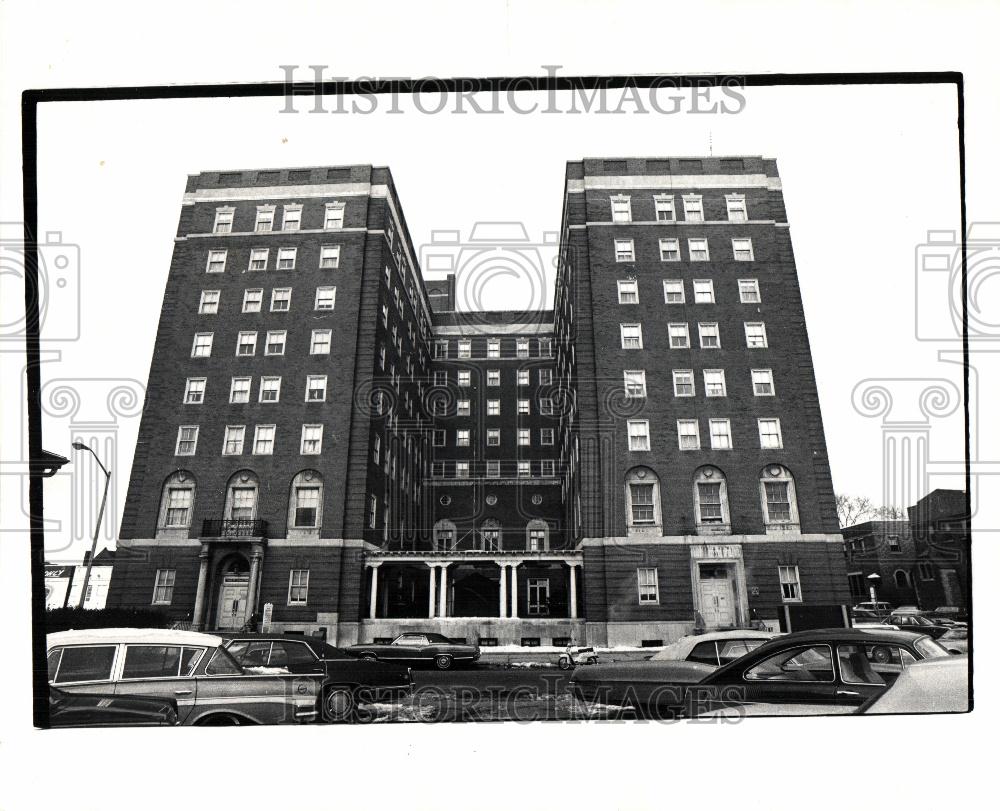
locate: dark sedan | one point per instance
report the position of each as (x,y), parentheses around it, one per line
(827,670)
(419,648)
(95,710)
(917,623)
(349,683)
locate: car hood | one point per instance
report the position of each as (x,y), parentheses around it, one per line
(665,672)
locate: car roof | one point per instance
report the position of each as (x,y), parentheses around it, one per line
(930,685)
(147,636)
(712,636)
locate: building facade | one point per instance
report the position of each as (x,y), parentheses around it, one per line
(331,443)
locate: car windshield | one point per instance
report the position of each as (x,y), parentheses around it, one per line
(929,648)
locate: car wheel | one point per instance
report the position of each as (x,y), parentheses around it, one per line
(564,663)
(368,657)
(442,661)
(221,721)
(339,705)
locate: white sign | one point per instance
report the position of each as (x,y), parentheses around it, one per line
(265,622)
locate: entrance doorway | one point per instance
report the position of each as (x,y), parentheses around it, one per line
(715,592)
(234,589)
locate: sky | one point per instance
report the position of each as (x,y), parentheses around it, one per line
(867,172)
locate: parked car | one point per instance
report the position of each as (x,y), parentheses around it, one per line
(936,685)
(860,615)
(348,681)
(194,669)
(915,622)
(86,710)
(419,648)
(814,670)
(715,648)
(956,640)
(952,612)
(878,608)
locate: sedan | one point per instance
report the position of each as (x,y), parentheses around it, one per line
(418,649)
(915,622)
(349,681)
(823,670)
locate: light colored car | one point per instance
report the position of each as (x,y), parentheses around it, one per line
(715,648)
(933,685)
(210,687)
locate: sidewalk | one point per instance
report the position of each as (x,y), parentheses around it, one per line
(516,656)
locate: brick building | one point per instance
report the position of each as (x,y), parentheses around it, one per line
(330,435)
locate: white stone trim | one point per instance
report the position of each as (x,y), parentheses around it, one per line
(713,540)
(672,182)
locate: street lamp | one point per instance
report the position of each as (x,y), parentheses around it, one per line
(873,580)
(100,515)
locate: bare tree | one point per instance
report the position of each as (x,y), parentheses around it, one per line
(857,509)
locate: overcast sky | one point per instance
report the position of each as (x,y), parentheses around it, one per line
(866,171)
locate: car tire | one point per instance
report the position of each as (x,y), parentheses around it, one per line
(220,720)
(339,705)
(443,661)
(565,663)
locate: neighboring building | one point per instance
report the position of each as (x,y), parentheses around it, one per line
(326,434)
(884,548)
(64,583)
(941,528)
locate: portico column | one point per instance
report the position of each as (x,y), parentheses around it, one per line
(431,594)
(443,608)
(198,616)
(255,560)
(572,591)
(373,604)
(503,590)
(513,590)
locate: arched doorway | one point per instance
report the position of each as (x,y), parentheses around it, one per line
(233,584)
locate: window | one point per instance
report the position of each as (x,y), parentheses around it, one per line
(893,543)
(461,470)
(252,300)
(523,436)
(316,389)
(664,208)
(721,434)
(779,504)
(545,406)
(440,378)
(441,349)
(683,383)
(756,334)
(281,299)
(791,591)
(925,570)
(523,406)
(736,207)
(463,408)
(670,250)
(223,221)
(693,209)
(263,440)
(298,585)
(749,291)
(312,440)
(673,291)
(624,250)
(194,390)
(742,250)
(763,382)
(770,432)
(631,336)
(538,536)
(325,298)
(493,348)
(372,511)
(265,219)
(688,438)
(492,436)
(286,258)
(216,262)
(462,436)
(464,378)
(246,344)
(320,344)
(698,250)
(377,448)
(548,436)
(649,586)
(523,347)
(492,377)
(638,435)
(523,377)
(493,468)
(334,216)
(258,259)
(679,337)
(621,209)
(270,390)
(239,390)
(635,383)
(242,500)
(544,377)
(715,382)
(329,257)
(708,334)
(813,664)
(628,291)
(163,586)
(209,304)
(524,470)
(545,347)
(187,440)
(548,467)
(232,444)
(275,343)
(177,511)
(202,346)
(465,349)
(437,438)
(704,291)
(492,408)
(710,497)
(291,218)
(490,536)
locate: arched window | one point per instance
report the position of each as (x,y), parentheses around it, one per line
(642,499)
(241,496)
(490,536)
(444,535)
(902,579)
(711,500)
(537,533)
(777,498)
(305,504)
(176,505)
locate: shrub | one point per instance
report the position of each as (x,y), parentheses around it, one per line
(75,618)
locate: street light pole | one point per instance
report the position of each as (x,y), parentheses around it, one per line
(100,515)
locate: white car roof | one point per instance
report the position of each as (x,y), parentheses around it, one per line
(683,646)
(147,636)
(931,685)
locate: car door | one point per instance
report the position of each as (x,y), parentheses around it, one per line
(295,657)
(83,668)
(409,647)
(865,670)
(163,671)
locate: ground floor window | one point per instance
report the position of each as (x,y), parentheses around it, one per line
(649,586)
(163,588)
(538,596)
(298,586)
(791,591)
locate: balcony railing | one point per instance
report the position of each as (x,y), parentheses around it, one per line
(234,528)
